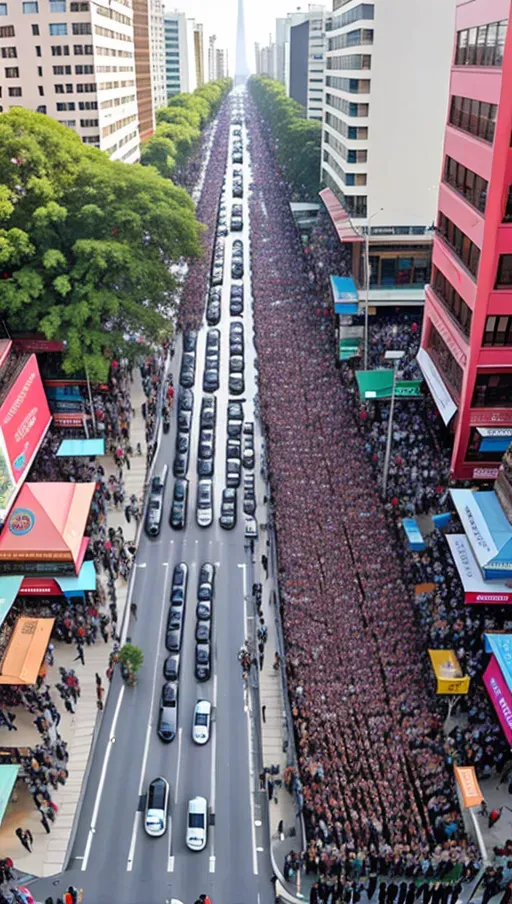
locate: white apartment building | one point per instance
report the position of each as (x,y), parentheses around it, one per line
(221,64)
(212,61)
(304,59)
(157,47)
(180,63)
(73,60)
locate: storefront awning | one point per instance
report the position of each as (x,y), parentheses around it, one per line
(26,650)
(413,534)
(444,402)
(9,588)
(500,645)
(349,348)
(500,696)
(476,590)
(68,419)
(339,216)
(448,672)
(488,530)
(466,779)
(70,585)
(378,384)
(81,448)
(8,776)
(345,295)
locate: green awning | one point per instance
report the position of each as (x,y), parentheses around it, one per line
(9,589)
(378,384)
(349,347)
(8,776)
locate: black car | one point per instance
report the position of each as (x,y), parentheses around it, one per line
(168,717)
(172,667)
(237,269)
(205,467)
(180,466)
(248,452)
(213,340)
(155,503)
(227,518)
(238,189)
(182,442)
(174,636)
(236,384)
(234,429)
(184,421)
(211,380)
(186,400)
(203,610)
(175,618)
(202,668)
(233,448)
(208,412)
(179,584)
(236,330)
(213,312)
(206,443)
(188,370)
(203,631)
(178,516)
(236,364)
(206,576)
(233,472)
(237,157)
(236,347)
(236,412)
(190,341)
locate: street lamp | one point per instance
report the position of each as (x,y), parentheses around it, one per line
(395,356)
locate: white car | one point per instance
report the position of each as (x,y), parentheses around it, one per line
(197,824)
(201,723)
(204,510)
(157,805)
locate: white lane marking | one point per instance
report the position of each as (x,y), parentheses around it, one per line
(150,721)
(170,865)
(251,801)
(131,852)
(260,849)
(108,751)
(170,862)
(211,865)
(180,733)
(141,565)
(213,775)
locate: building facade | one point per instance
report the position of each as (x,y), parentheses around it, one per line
(383,167)
(75,61)
(180,63)
(157,47)
(221,64)
(141,38)
(466,344)
(304,70)
(199,53)
(212,59)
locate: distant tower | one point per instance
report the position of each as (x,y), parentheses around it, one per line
(241,68)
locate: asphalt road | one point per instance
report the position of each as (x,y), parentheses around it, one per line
(111,852)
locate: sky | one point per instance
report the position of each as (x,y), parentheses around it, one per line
(219,18)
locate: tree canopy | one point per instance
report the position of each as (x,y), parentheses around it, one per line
(87,244)
(179,126)
(298,140)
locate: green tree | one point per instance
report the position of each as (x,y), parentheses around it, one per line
(132,658)
(86,244)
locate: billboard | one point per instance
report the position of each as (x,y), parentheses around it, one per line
(24,420)
(500,695)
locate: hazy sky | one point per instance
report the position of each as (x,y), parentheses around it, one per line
(219,18)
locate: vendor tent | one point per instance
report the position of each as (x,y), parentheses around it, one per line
(378,384)
(26,650)
(8,776)
(46,526)
(344,293)
(449,677)
(476,590)
(466,779)
(81,448)
(488,530)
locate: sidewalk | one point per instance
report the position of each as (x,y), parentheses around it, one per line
(49,851)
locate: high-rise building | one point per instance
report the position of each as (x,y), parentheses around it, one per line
(304,69)
(180,60)
(141,25)
(212,58)
(157,46)
(381,168)
(199,53)
(466,344)
(221,64)
(265,58)
(74,61)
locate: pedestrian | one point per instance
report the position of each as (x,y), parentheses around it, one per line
(133,610)
(45,824)
(23,839)
(270,788)
(98,679)
(280,829)
(99,704)
(494,815)
(28,836)
(264,713)
(80,653)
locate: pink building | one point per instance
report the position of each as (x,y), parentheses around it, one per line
(466,345)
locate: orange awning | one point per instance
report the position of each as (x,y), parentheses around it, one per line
(26,650)
(339,216)
(466,779)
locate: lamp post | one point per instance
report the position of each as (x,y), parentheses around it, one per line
(395,357)
(367,283)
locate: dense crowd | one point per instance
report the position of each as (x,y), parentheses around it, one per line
(373,775)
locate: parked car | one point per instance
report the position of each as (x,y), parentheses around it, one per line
(155,503)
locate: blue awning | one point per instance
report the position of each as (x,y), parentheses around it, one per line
(85,580)
(81,448)
(495,443)
(501,646)
(413,533)
(488,531)
(9,589)
(8,776)
(345,295)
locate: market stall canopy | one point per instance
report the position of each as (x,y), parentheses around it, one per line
(8,776)
(444,402)
(69,585)
(465,776)
(500,645)
(345,295)
(47,525)
(448,672)
(9,589)
(488,530)
(498,688)
(26,650)
(413,534)
(81,448)
(378,384)
(476,590)
(340,218)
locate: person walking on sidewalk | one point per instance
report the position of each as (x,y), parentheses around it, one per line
(494,815)
(45,824)
(24,839)
(80,652)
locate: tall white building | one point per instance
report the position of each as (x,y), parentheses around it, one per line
(212,61)
(180,62)
(304,58)
(75,61)
(157,46)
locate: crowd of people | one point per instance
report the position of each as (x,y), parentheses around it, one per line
(373,772)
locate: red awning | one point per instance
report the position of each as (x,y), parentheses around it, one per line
(339,217)
(39,587)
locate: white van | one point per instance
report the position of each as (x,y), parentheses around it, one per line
(201,723)
(197,824)
(157,805)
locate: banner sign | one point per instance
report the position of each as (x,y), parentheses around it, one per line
(465,776)
(501,697)
(413,533)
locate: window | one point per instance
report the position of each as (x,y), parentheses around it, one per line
(464,248)
(6,31)
(69,105)
(59,89)
(40,71)
(81,49)
(498,330)
(35,30)
(363,11)
(452,300)
(474,116)
(69,89)
(89,123)
(41,90)
(91,139)
(84,70)
(57,6)
(79,7)
(81,28)
(86,88)
(14,92)
(3,9)
(70,123)
(493,390)
(12,72)
(449,367)
(38,50)
(504,277)
(30,7)
(466,183)
(481,46)
(60,49)
(88,105)
(58,28)
(62,70)
(9,53)
(351,61)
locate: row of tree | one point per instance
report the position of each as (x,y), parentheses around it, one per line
(297,139)
(179,127)
(87,245)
